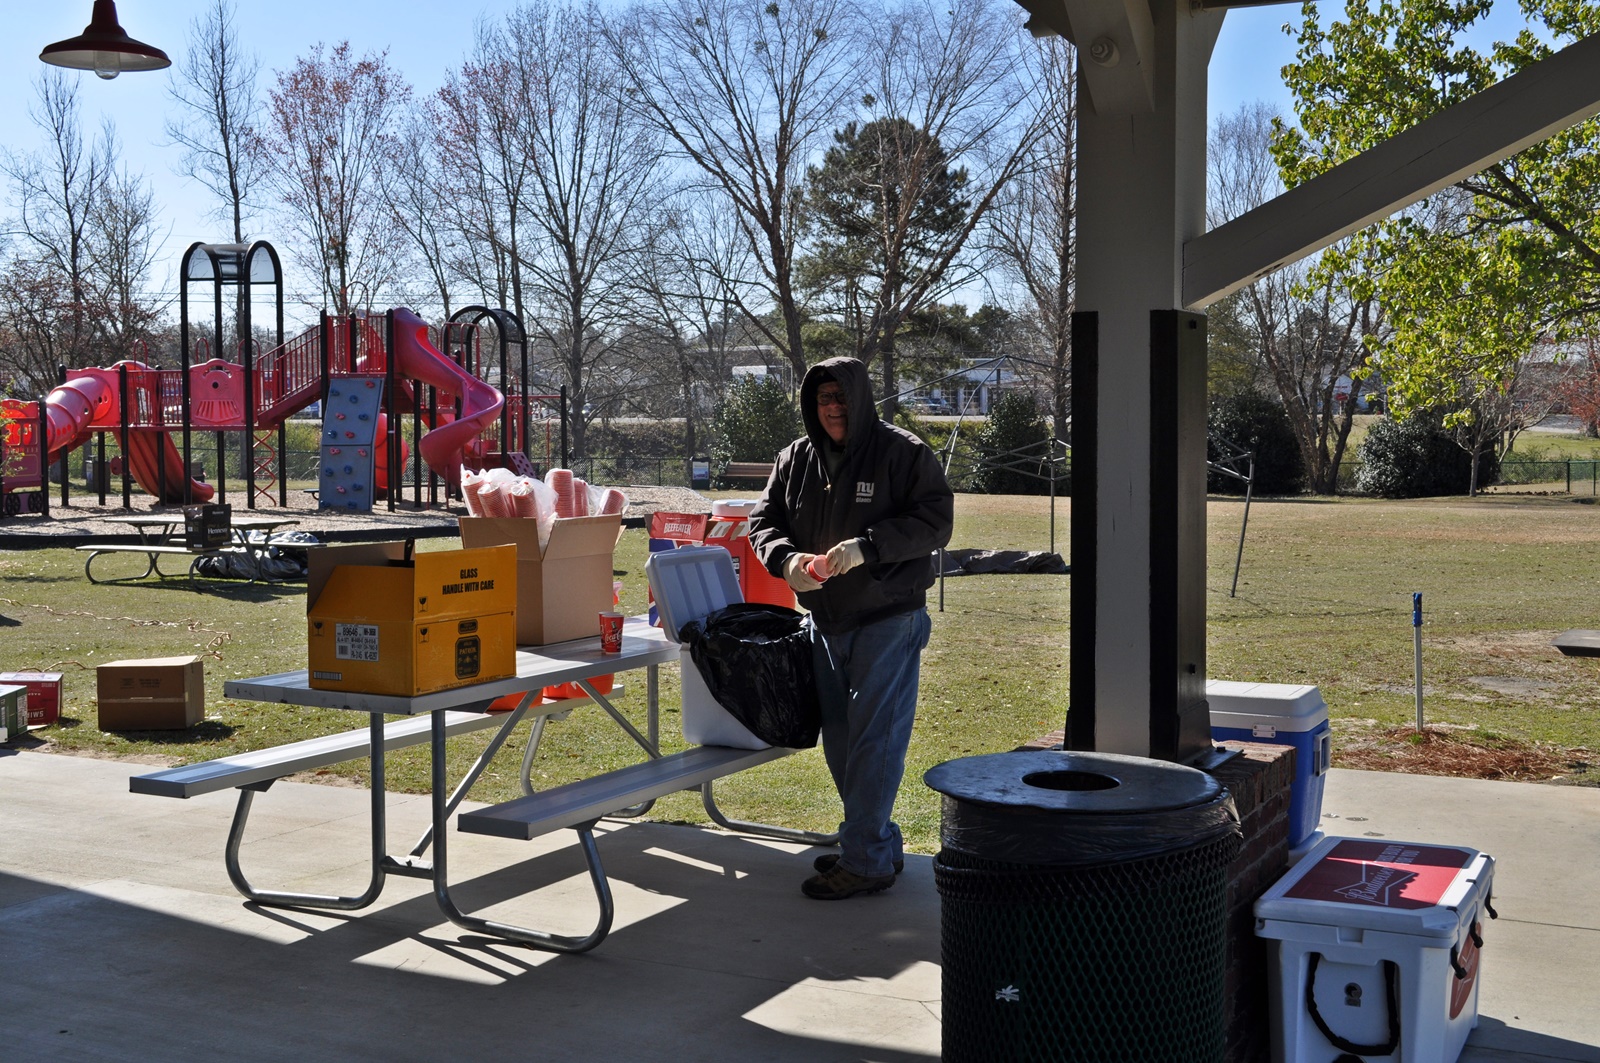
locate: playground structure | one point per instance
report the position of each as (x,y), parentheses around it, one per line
(456,417)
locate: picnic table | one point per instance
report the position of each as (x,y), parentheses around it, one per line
(162,536)
(578,806)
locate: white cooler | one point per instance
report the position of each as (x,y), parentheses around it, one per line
(688,583)
(1374,950)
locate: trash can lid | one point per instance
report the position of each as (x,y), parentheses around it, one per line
(1072,782)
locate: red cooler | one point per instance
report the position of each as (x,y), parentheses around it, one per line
(1376,950)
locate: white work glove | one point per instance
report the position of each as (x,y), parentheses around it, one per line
(796,576)
(844,557)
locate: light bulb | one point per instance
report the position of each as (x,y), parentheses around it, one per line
(107,65)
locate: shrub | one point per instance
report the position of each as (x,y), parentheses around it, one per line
(1251,420)
(1416,458)
(1012,449)
(755,421)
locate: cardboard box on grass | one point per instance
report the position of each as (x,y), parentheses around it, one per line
(44,694)
(562,590)
(154,694)
(381,619)
(13,712)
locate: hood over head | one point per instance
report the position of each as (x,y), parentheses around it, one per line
(850,374)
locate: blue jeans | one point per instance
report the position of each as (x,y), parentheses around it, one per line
(867,687)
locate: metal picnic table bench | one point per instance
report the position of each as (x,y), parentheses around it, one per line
(436,717)
(156,540)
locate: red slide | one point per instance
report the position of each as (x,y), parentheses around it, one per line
(418,359)
(71,410)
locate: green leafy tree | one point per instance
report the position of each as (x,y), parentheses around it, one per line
(1013,450)
(757,419)
(1416,458)
(1523,235)
(1251,420)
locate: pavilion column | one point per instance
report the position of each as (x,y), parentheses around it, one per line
(1139,397)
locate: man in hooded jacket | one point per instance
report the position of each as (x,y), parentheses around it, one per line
(850,518)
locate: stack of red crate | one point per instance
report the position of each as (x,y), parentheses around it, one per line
(727,526)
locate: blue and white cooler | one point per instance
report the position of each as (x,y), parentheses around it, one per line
(1375,951)
(1281,714)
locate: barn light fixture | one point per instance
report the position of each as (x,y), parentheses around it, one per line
(104,47)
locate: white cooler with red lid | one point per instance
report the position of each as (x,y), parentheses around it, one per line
(1374,949)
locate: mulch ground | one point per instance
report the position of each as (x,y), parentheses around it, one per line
(1459,753)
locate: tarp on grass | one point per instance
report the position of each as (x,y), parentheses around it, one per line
(992,562)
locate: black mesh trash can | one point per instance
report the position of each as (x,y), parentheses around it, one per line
(1083,908)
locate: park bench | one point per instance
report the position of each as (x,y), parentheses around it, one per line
(747,470)
(255,772)
(154,552)
(577,805)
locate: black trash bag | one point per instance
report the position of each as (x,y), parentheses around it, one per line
(284,559)
(756,661)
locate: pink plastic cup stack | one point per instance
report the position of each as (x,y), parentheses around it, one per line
(561,480)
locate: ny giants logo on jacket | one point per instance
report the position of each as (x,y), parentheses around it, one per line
(864,490)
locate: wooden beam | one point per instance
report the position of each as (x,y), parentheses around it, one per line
(1492,125)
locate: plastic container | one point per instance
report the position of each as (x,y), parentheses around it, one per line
(1286,715)
(688,583)
(729,527)
(1375,950)
(1083,911)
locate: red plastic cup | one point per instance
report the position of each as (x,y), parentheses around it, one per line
(817,568)
(561,481)
(610,632)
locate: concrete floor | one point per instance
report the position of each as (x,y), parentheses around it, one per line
(122,939)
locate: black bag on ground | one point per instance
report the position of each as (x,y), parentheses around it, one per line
(756,661)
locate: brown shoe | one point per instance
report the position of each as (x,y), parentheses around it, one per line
(825,862)
(839,882)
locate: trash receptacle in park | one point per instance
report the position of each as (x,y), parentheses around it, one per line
(1083,907)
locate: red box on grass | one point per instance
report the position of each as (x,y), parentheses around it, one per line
(44,694)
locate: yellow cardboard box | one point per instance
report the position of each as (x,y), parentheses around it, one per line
(154,694)
(562,590)
(382,620)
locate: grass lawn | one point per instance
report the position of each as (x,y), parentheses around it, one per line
(1324,598)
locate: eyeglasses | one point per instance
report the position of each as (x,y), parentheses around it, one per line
(831,398)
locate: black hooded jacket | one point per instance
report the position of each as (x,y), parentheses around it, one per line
(889,491)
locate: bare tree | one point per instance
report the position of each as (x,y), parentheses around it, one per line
(54,191)
(481,116)
(214,85)
(122,248)
(1030,229)
(945,129)
(35,325)
(693,246)
(1310,328)
(745,91)
(588,192)
(417,201)
(333,123)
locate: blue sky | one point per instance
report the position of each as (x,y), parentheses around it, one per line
(423,40)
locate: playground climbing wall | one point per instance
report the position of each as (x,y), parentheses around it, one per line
(350,442)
